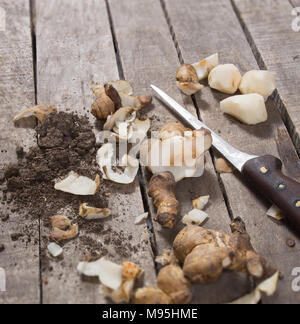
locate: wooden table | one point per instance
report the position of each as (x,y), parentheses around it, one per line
(51,52)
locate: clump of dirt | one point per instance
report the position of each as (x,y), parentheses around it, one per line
(66,143)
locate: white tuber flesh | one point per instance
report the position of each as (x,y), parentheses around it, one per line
(260,82)
(204,67)
(225,78)
(141,219)
(267,287)
(189,88)
(55,250)
(78,185)
(249,109)
(275,213)
(201,202)
(105,156)
(195,217)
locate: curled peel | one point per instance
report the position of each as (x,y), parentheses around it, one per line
(117,280)
(91,213)
(78,185)
(59,235)
(105,157)
(34,115)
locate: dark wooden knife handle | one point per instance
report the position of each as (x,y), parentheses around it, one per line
(265,173)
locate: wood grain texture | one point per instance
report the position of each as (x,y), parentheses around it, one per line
(269,28)
(203,28)
(75,48)
(148,57)
(20,259)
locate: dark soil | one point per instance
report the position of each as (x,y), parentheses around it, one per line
(66,143)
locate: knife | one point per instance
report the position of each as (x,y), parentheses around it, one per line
(263,172)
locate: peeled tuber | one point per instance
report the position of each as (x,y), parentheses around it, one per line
(260,82)
(249,109)
(225,78)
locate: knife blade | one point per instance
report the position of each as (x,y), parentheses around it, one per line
(263,172)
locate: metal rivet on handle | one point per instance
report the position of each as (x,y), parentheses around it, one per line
(281,186)
(264,170)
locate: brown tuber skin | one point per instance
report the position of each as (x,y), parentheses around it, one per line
(145,100)
(151,296)
(103,105)
(206,253)
(162,190)
(171,280)
(187,73)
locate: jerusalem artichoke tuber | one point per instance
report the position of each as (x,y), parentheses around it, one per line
(205,253)
(171,280)
(162,190)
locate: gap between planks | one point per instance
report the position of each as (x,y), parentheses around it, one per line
(32,8)
(181,61)
(142,184)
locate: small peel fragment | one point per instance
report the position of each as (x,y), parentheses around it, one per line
(78,185)
(267,287)
(105,161)
(141,219)
(91,213)
(30,117)
(122,86)
(222,166)
(189,88)
(55,250)
(195,217)
(130,273)
(275,213)
(117,280)
(204,67)
(61,222)
(59,235)
(201,202)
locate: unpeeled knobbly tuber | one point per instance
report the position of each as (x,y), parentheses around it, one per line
(162,190)
(206,253)
(172,288)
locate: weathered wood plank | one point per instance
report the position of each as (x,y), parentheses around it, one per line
(269,26)
(148,56)
(75,48)
(20,259)
(203,28)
